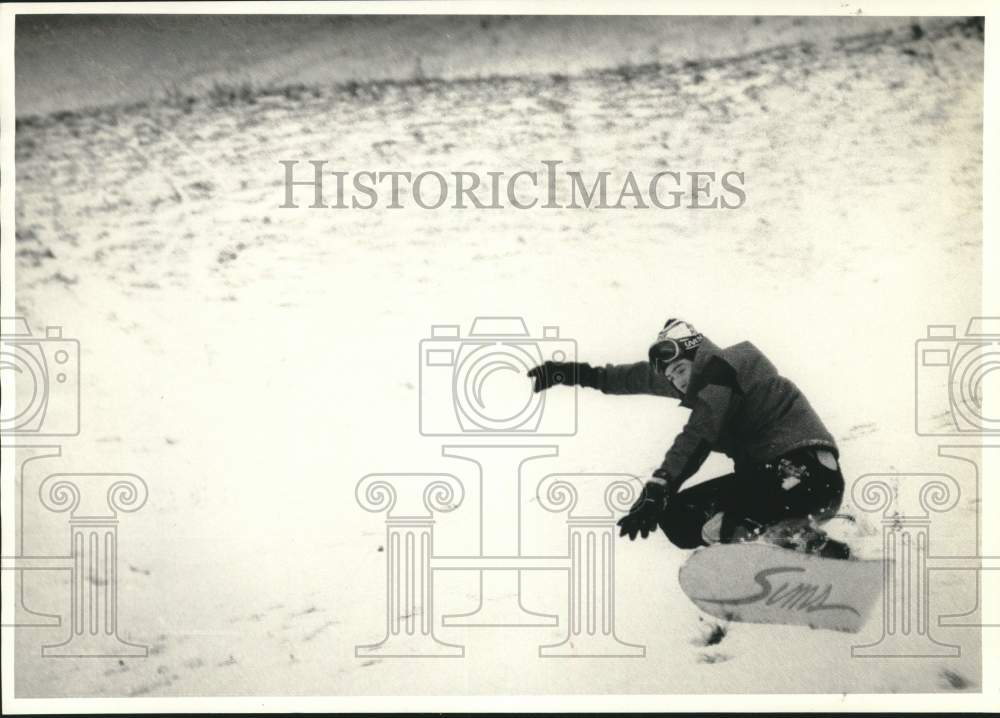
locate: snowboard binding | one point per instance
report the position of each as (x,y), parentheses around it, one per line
(801,535)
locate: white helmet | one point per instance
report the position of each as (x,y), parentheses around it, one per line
(676,340)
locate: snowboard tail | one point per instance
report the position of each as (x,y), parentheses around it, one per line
(760,583)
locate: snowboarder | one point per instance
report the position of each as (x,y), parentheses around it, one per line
(786,477)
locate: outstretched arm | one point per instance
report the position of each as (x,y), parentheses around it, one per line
(636,378)
(551,373)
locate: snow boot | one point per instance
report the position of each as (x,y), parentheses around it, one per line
(718,530)
(804,536)
(800,535)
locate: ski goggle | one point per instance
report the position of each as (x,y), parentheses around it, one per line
(663,354)
(666,351)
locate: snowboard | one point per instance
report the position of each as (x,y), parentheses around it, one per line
(761,583)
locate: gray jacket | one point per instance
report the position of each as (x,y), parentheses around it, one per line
(739,404)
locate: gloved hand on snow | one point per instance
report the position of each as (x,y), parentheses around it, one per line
(646,512)
(568,373)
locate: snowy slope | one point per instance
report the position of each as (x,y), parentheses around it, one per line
(71,62)
(253,363)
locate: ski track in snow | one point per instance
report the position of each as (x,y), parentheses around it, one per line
(152,234)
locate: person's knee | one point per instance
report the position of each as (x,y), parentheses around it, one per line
(681,528)
(683,539)
(830,508)
(827,495)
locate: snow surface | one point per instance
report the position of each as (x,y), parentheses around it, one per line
(253,363)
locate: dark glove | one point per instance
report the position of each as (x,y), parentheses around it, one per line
(568,373)
(646,513)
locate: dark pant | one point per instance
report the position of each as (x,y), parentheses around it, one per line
(793,486)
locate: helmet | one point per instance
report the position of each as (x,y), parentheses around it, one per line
(677,340)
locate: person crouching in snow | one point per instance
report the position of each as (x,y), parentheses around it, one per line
(786,479)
